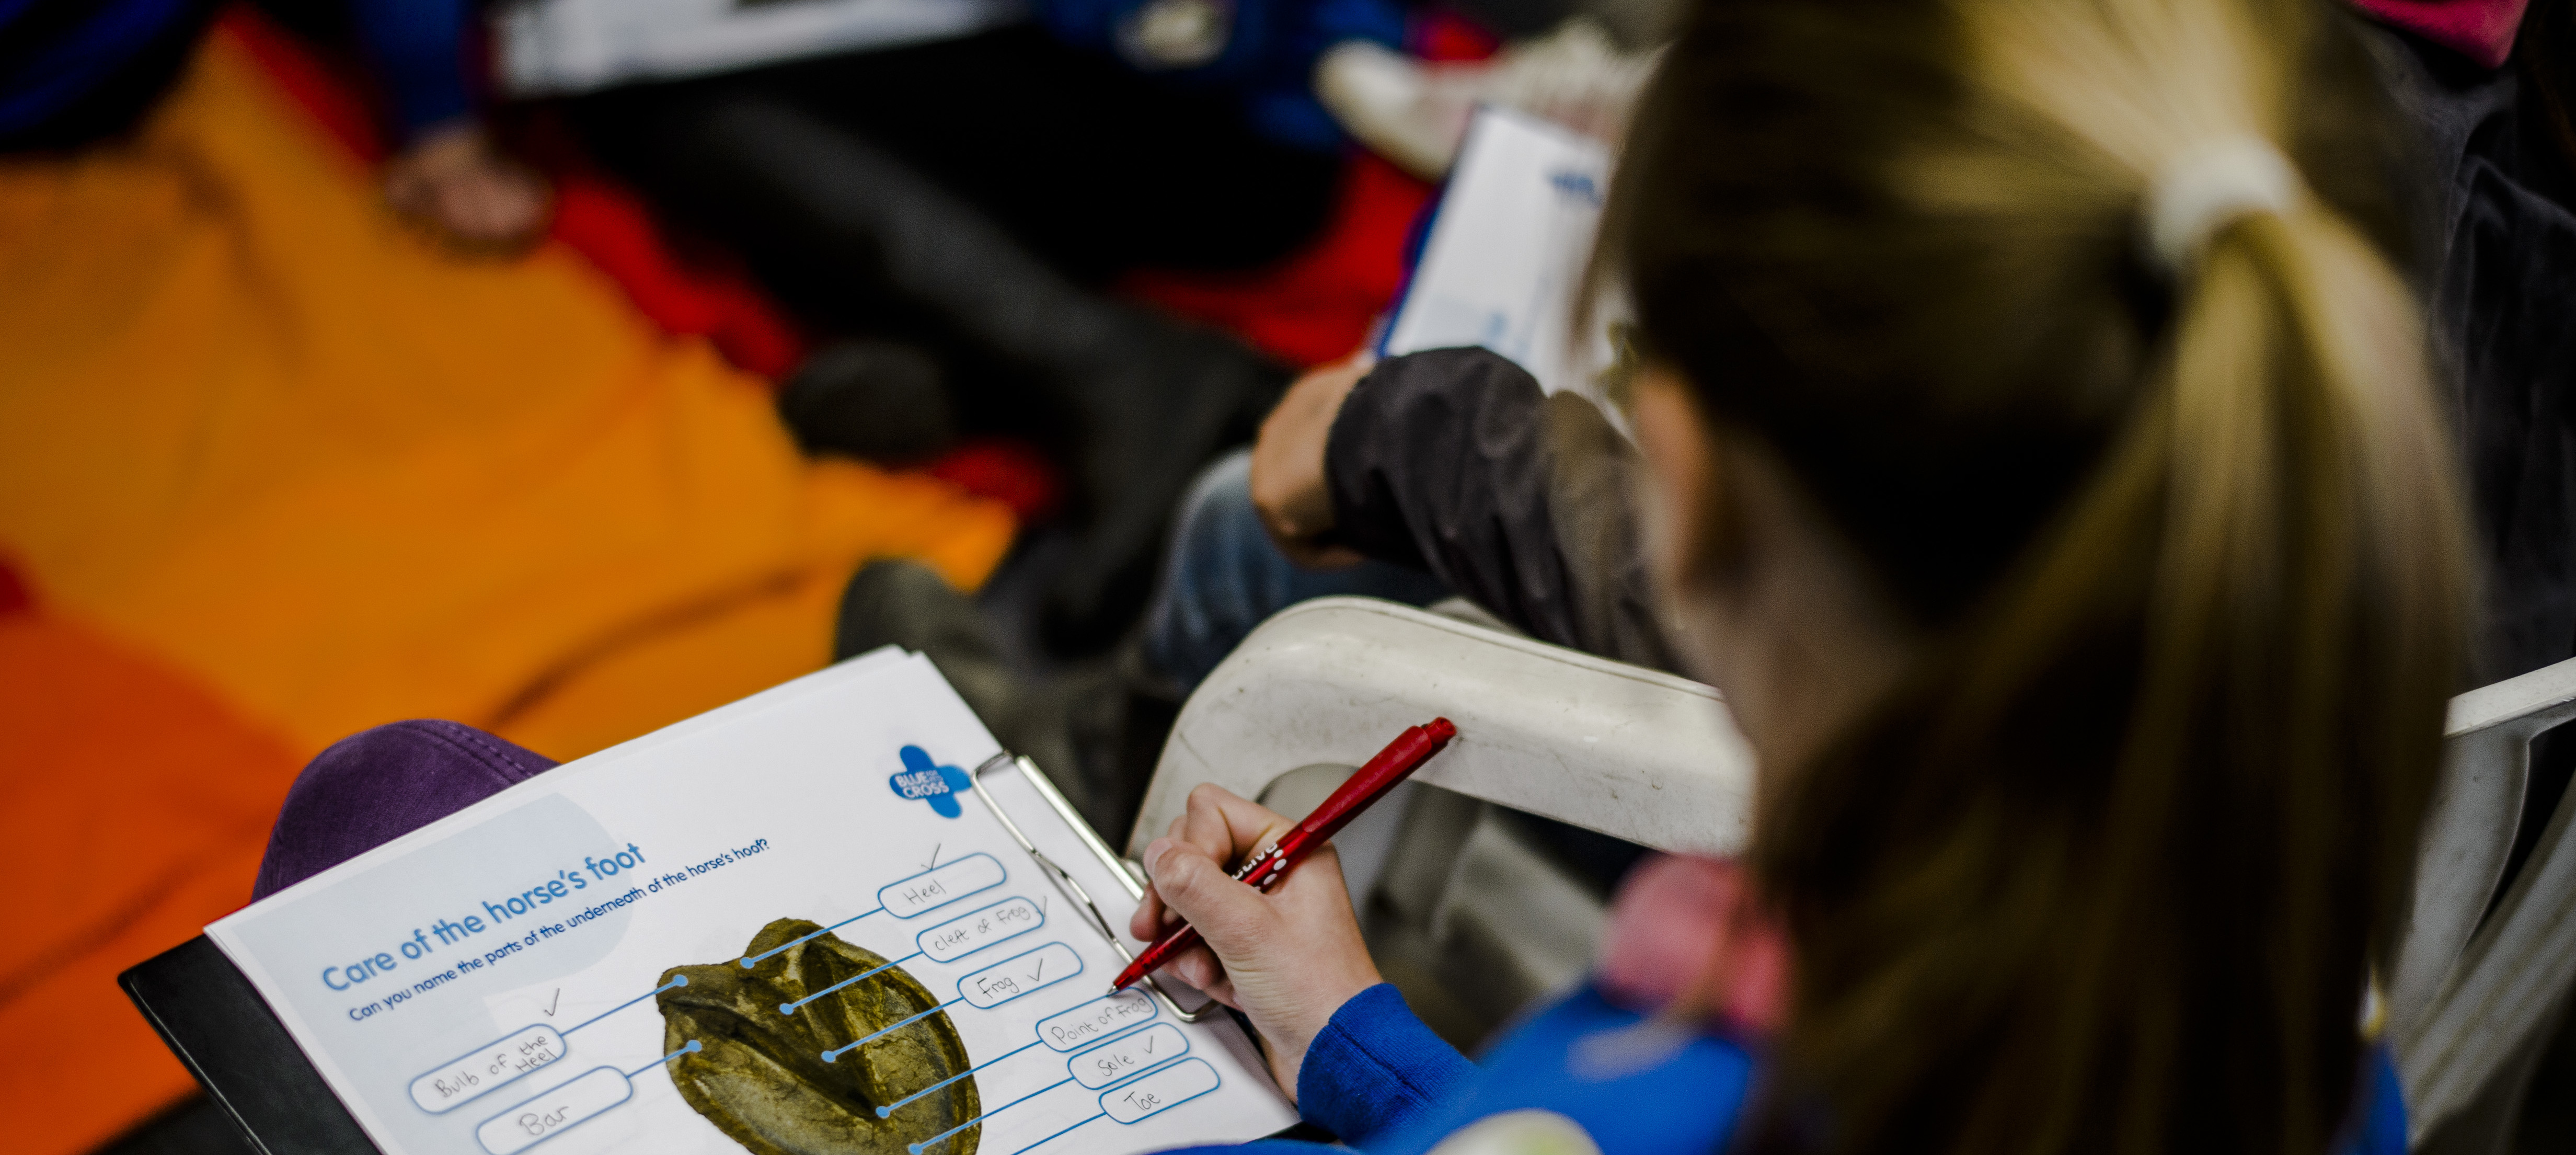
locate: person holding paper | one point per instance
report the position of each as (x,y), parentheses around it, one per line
(2044,459)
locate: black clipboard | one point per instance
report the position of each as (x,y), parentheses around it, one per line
(215,1021)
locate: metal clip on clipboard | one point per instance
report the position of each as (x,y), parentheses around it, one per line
(1064,881)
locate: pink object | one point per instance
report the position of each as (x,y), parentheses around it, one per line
(2481,30)
(1686,920)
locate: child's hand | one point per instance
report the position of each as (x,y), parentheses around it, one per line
(455,180)
(1288,958)
(1289,488)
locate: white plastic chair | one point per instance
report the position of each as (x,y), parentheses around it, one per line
(1629,752)
(1463,910)
(1449,896)
(2483,979)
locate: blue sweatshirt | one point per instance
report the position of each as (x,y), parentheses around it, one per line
(1381,1081)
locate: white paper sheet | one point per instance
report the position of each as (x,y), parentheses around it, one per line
(457,1004)
(1505,258)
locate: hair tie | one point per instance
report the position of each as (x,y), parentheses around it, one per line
(2209,184)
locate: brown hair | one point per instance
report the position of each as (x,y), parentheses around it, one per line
(2107,871)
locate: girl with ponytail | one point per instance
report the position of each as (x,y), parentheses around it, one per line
(2046,471)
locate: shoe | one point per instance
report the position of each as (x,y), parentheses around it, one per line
(879,401)
(1415,114)
(1145,400)
(894,602)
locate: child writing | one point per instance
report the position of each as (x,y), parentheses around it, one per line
(2045,469)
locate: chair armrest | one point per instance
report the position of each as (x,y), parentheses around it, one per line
(1626,751)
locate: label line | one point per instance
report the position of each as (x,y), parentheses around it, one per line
(834,1055)
(790,1008)
(1096,1116)
(898,1104)
(918,1148)
(691,1049)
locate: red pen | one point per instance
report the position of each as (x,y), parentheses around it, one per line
(1392,765)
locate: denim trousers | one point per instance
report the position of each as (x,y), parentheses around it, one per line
(1223,576)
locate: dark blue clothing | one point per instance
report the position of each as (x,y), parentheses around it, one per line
(75,71)
(418,49)
(62,54)
(1381,1081)
(64,50)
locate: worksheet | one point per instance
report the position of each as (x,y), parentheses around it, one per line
(1503,264)
(789,925)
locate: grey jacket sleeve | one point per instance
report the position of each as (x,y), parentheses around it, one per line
(1454,461)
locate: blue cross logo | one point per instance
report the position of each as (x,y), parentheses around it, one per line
(930,782)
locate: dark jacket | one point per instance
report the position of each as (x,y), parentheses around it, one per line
(2504,245)
(1452,460)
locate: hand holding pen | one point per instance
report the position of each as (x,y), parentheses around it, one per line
(1287,958)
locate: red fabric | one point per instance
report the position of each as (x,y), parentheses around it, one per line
(1010,472)
(2482,30)
(14,595)
(1316,306)
(609,224)
(136,806)
(328,96)
(1450,36)
(1319,305)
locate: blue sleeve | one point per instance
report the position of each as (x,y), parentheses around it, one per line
(2383,1120)
(1375,1068)
(418,49)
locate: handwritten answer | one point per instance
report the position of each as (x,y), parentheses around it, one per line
(958,937)
(1160,1091)
(554,1112)
(1097,1020)
(1019,975)
(1142,1051)
(939,886)
(454,1084)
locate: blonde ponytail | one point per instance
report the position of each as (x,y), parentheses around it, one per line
(2075,315)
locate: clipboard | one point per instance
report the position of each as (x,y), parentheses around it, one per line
(215,1021)
(1063,879)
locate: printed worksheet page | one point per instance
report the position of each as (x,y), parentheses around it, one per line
(789,925)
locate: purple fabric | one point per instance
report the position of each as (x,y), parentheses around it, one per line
(377,785)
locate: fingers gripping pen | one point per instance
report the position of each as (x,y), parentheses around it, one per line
(1264,870)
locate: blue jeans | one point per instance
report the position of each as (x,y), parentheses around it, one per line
(1223,577)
